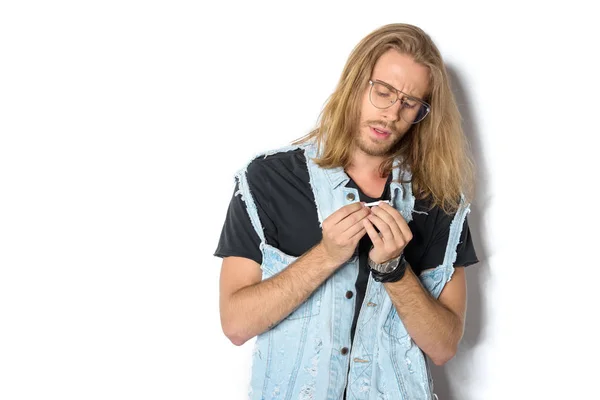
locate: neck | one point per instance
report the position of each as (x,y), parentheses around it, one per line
(365,165)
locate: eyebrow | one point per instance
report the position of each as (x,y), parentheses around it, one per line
(390,86)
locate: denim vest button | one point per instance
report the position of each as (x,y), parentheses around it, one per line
(344,351)
(349,294)
(350,196)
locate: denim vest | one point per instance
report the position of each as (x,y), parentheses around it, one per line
(301,358)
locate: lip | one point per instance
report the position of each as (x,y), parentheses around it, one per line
(385,131)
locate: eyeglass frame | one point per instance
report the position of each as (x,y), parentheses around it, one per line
(398,97)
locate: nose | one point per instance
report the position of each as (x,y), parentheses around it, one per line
(392,113)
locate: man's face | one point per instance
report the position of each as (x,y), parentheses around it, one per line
(381,129)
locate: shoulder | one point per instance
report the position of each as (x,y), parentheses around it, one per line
(428,207)
(435,221)
(289,161)
(430,216)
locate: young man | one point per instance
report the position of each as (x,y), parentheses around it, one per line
(350,300)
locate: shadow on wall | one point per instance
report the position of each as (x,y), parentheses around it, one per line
(449,380)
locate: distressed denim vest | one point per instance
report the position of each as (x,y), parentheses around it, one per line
(308,355)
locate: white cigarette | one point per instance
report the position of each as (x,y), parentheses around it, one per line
(376,203)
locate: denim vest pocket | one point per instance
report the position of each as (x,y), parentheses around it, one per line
(275,261)
(433,281)
(394,327)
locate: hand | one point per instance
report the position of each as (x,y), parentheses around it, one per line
(394,233)
(342,231)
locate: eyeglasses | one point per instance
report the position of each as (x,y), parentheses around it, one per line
(412,110)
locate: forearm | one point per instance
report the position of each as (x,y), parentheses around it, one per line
(254,309)
(433,327)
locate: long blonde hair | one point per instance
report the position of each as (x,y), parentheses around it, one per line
(435,151)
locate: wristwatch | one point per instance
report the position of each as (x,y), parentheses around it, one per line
(390,271)
(387,266)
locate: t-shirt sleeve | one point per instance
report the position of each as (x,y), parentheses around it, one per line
(238,237)
(465,251)
(436,251)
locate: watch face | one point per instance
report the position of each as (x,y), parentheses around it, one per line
(385,267)
(390,266)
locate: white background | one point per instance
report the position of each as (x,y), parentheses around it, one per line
(122,124)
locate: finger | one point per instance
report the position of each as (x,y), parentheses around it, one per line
(383,227)
(353,230)
(352,220)
(402,224)
(375,238)
(344,212)
(356,237)
(390,220)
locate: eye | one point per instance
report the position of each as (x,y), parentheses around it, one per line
(384,94)
(409,103)
(382,91)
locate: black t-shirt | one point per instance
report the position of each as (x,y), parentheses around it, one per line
(285,202)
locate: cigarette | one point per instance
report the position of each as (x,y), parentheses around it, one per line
(376,203)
